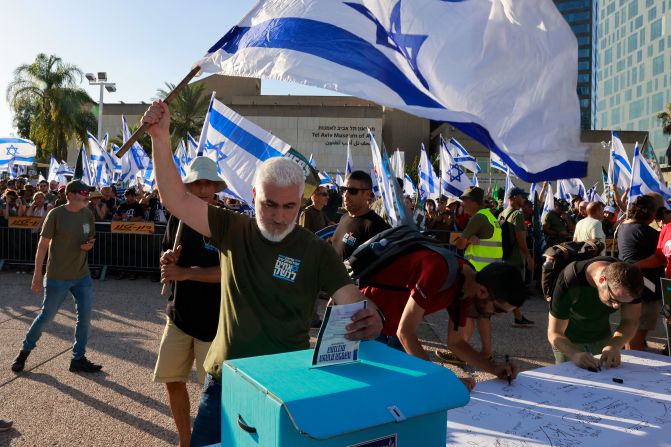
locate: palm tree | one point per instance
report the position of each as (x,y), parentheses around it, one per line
(187,110)
(665,118)
(49,107)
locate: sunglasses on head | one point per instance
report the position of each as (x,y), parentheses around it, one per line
(83,192)
(351,190)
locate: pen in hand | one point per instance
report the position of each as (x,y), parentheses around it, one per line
(510,379)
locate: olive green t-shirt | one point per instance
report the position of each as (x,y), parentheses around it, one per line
(588,317)
(478,225)
(67,231)
(556,225)
(516,218)
(268,289)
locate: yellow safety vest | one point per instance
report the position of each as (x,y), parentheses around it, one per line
(488,250)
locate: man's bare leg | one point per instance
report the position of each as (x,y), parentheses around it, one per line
(181,411)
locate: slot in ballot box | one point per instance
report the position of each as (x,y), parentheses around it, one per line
(387,399)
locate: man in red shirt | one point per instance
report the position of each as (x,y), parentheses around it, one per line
(414,285)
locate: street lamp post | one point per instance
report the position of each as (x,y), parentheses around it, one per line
(109,86)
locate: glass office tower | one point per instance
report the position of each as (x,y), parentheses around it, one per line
(579,15)
(633,62)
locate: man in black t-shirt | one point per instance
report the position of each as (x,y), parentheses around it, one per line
(193,307)
(360,223)
(130,210)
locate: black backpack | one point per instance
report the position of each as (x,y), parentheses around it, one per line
(559,256)
(390,244)
(508,240)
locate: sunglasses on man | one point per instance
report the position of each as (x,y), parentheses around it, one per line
(352,191)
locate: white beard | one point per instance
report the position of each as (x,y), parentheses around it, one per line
(274,237)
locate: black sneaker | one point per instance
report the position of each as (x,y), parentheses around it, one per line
(20,361)
(5,424)
(523,322)
(84,365)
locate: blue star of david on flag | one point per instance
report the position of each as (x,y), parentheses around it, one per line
(455,173)
(408,45)
(12,150)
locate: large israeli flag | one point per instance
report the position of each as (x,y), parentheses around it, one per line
(16,151)
(619,169)
(644,180)
(454,180)
(502,71)
(429,187)
(460,155)
(237,145)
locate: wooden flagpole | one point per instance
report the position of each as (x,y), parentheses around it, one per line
(178,237)
(143,128)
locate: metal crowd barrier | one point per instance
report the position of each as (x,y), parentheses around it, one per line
(119,251)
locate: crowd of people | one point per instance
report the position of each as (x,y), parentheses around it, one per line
(258,278)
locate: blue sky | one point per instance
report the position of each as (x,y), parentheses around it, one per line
(140,44)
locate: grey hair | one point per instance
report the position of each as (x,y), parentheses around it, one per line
(279,171)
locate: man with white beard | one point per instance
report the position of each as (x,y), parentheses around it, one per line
(272,270)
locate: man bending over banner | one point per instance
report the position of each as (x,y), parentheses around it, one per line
(272,270)
(418,283)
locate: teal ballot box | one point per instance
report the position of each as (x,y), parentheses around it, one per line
(387,399)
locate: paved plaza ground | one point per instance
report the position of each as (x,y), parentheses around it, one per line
(121,405)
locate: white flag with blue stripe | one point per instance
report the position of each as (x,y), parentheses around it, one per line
(619,169)
(474,180)
(203,148)
(509,185)
(549,203)
(429,187)
(373,177)
(398,163)
(388,187)
(409,188)
(458,61)
(338,180)
(496,162)
(65,169)
(53,174)
(454,180)
(644,180)
(567,188)
(148,177)
(192,148)
(180,158)
(135,160)
(16,151)
(349,166)
(239,145)
(460,155)
(88,175)
(104,165)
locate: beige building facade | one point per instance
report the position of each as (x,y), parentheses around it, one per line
(322,125)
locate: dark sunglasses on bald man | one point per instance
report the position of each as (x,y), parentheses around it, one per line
(351,190)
